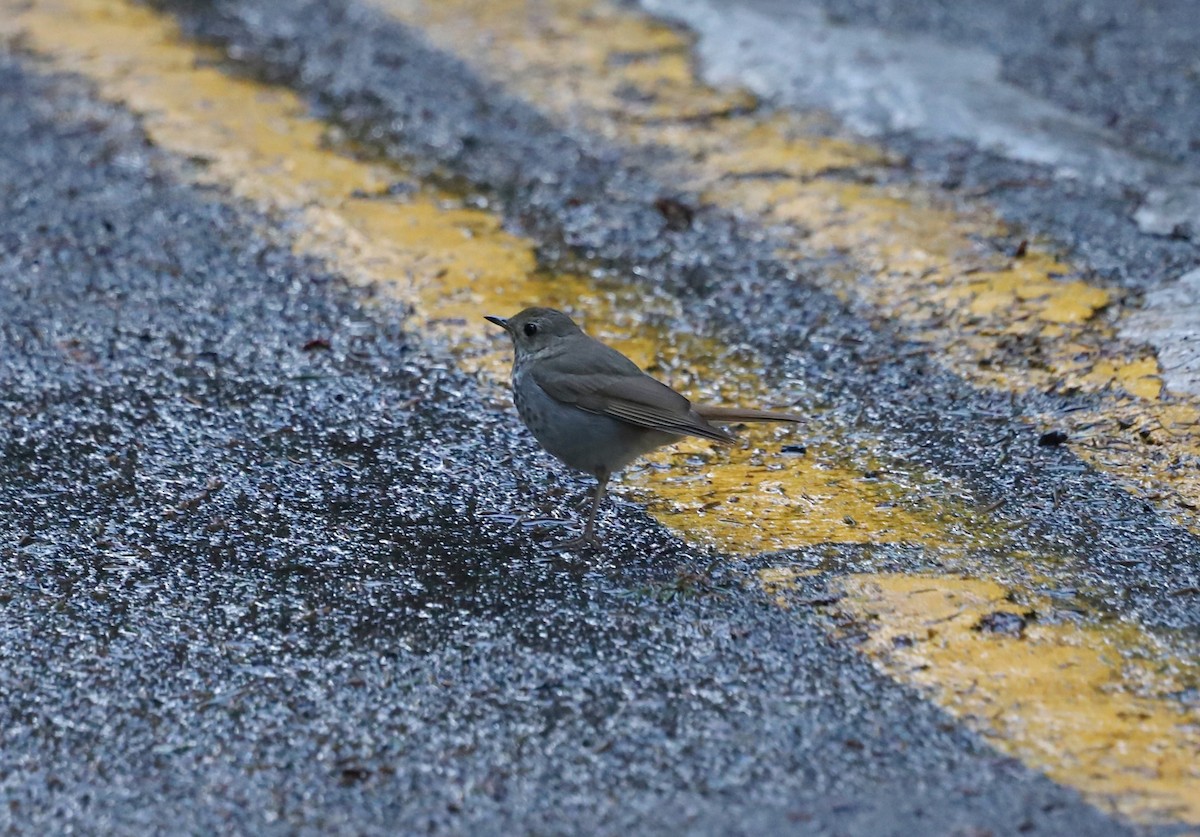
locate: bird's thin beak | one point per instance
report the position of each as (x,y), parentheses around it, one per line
(500,321)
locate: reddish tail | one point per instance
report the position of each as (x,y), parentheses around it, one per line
(735,414)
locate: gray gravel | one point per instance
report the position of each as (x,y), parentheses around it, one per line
(1017,102)
(590,205)
(1131,69)
(243,589)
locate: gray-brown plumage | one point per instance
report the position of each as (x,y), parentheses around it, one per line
(593,408)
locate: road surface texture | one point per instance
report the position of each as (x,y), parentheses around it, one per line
(266,548)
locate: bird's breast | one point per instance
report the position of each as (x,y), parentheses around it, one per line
(583,440)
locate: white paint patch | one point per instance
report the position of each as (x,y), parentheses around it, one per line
(1170,321)
(877,82)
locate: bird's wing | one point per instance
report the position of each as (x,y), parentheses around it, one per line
(602,380)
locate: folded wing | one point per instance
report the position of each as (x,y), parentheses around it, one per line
(608,383)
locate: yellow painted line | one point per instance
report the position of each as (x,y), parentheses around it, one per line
(1089,705)
(1022,323)
(1083,704)
(454,264)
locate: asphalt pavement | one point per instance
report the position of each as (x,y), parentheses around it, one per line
(570,194)
(253,578)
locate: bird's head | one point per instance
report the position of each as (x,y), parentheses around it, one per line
(537,330)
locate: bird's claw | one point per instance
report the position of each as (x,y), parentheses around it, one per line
(583,543)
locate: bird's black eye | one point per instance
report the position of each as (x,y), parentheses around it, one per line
(531,329)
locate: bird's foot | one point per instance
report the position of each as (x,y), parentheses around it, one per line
(584,543)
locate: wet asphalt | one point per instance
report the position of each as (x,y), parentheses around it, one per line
(591,206)
(249,581)
(1127,70)
(1132,69)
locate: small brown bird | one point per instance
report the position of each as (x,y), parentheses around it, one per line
(593,408)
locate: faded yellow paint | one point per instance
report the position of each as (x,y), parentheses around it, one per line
(778,581)
(997,294)
(1021,323)
(454,263)
(1086,705)
(777,501)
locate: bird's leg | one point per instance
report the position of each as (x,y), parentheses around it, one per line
(589,531)
(588,538)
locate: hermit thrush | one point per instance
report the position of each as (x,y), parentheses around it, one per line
(593,408)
